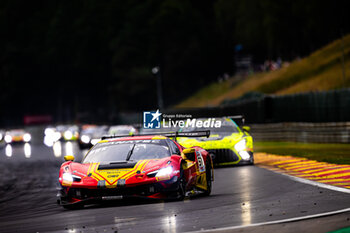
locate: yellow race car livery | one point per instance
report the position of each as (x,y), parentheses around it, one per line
(228,144)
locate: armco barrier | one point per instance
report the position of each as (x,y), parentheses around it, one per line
(336,132)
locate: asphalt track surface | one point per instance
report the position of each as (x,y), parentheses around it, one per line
(241,196)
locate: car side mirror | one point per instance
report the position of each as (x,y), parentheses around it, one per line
(246,128)
(69,158)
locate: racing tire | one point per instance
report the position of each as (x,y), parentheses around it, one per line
(252,160)
(181,190)
(208,178)
(73,206)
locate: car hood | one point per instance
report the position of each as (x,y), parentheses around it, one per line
(111,175)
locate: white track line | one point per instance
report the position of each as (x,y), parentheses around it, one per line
(301,180)
(277,221)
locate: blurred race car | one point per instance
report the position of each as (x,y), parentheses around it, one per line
(68,132)
(17,135)
(90,135)
(228,144)
(148,166)
(118,130)
(2,135)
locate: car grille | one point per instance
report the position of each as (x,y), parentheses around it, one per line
(85,193)
(140,190)
(223,155)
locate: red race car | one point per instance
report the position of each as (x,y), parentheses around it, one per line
(151,166)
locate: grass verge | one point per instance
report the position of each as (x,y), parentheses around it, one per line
(331,153)
(320,71)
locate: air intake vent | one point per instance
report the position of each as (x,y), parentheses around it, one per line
(117,165)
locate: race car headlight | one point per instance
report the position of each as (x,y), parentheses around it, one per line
(241,145)
(164,171)
(8,138)
(85,139)
(49,131)
(56,136)
(68,135)
(245,155)
(94,141)
(27,137)
(67,177)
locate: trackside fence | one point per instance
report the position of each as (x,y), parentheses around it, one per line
(336,132)
(306,117)
(325,106)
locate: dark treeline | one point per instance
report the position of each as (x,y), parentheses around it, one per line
(96,56)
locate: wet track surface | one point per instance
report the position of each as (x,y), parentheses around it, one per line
(241,196)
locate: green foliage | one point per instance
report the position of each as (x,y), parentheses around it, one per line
(321,71)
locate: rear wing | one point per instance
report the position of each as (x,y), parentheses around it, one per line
(239,119)
(203,133)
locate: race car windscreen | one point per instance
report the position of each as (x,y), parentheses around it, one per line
(133,150)
(228,127)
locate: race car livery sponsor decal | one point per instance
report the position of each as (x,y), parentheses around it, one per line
(201,165)
(121,183)
(112,176)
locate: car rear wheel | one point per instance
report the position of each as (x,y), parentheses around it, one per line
(208,177)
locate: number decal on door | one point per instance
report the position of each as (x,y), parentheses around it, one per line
(200,160)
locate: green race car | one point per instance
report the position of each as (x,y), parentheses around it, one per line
(229,144)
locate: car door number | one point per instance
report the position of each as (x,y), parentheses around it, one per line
(200,160)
